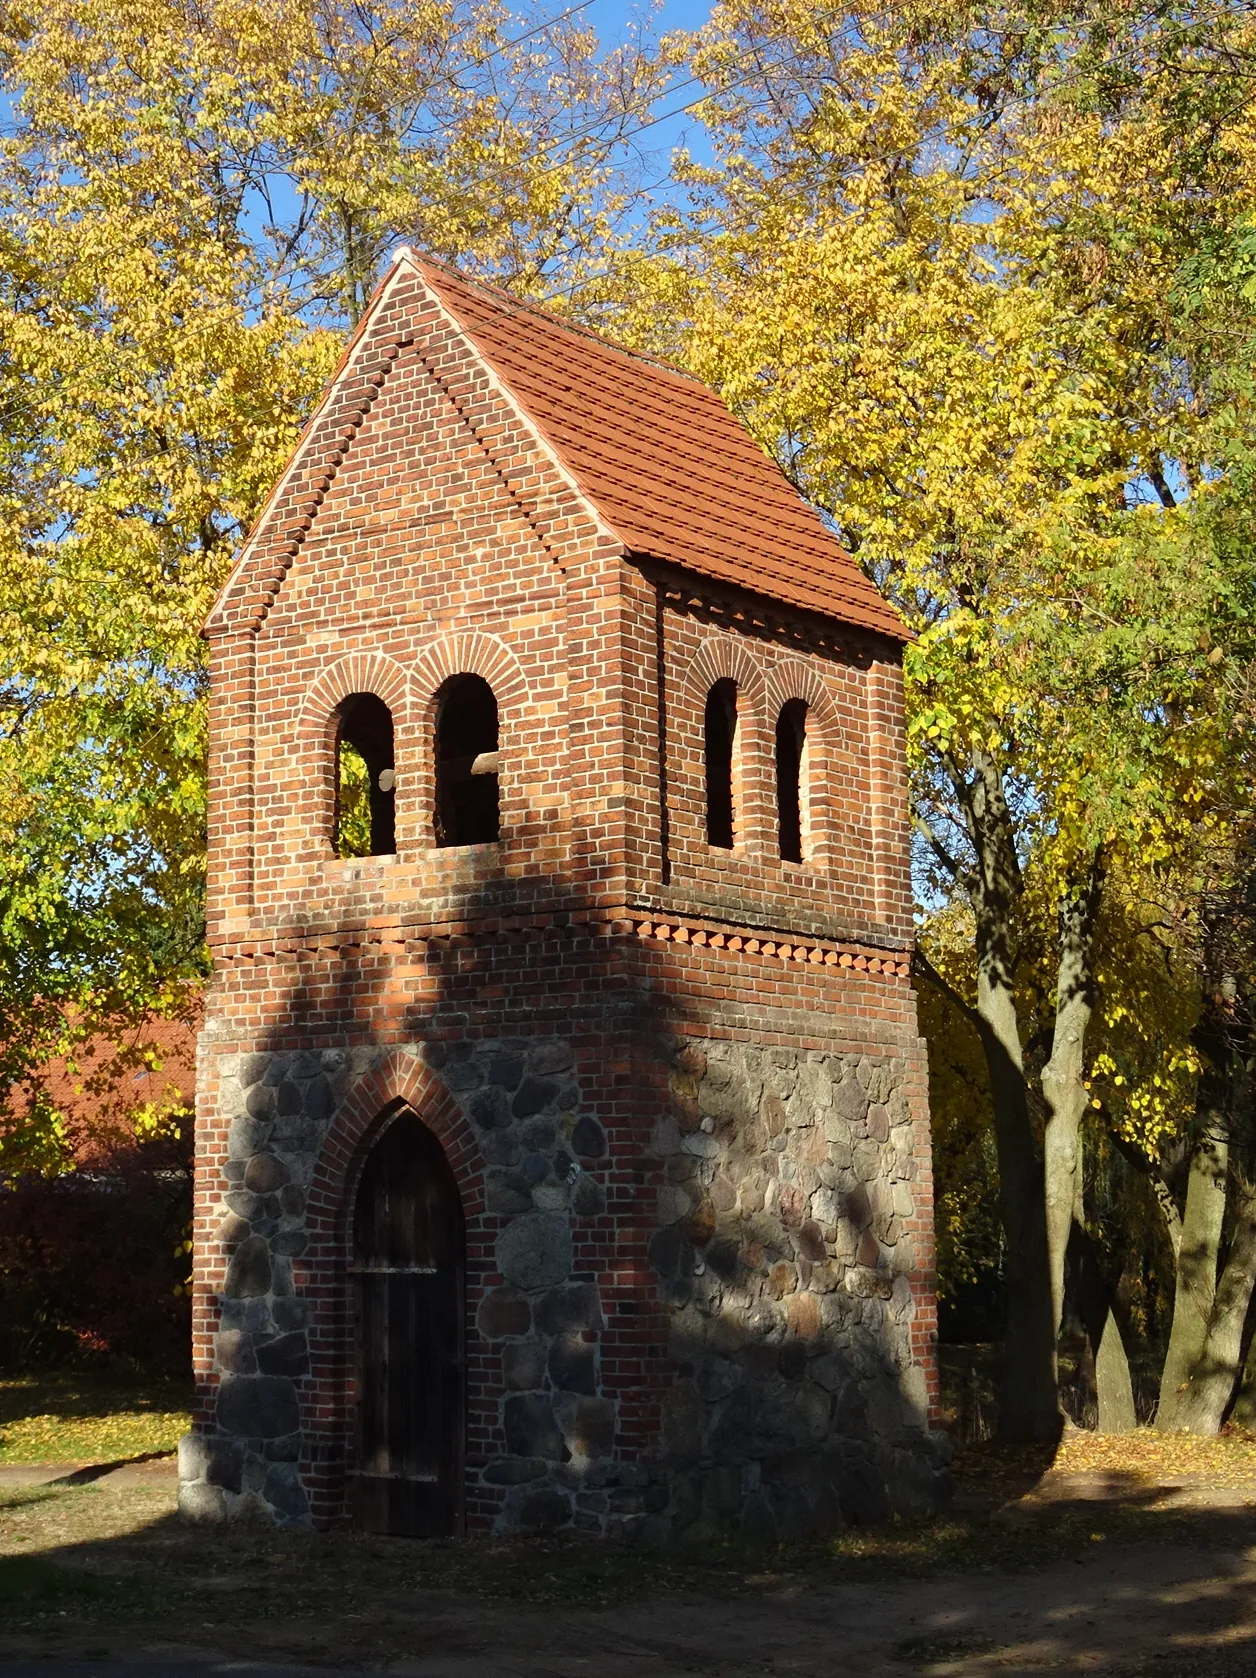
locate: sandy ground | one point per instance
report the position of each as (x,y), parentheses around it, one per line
(1184,1603)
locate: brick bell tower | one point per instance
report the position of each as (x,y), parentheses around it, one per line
(563,1154)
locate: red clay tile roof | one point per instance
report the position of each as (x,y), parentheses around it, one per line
(664,461)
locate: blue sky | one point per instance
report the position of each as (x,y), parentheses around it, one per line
(610,18)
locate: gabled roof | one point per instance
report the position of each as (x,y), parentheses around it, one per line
(665,463)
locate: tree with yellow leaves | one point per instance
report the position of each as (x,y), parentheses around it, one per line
(194,199)
(934,265)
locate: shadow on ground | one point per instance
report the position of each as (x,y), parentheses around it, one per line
(1120,1576)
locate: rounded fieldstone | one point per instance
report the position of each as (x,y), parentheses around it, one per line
(284,1492)
(290,1313)
(533,1096)
(537,1134)
(523,1365)
(319,1099)
(588,1139)
(232,1229)
(201,1502)
(260,1102)
(289,1099)
(489,1109)
(849,1100)
(588,1199)
(589,1425)
(287,1354)
(811,1242)
(251,1316)
(504,1313)
(506,1191)
(575,1308)
(499,1147)
(264,1174)
(505,1070)
(550,1057)
(535,1250)
(571,1364)
(257,1406)
(668,1250)
(531,1430)
(249,1272)
(462,1075)
(224,1463)
(253,1069)
(233,1351)
(247,1136)
(542,1511)
(292,1200)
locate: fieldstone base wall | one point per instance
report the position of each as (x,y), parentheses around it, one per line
(770,1193)
(785,1251)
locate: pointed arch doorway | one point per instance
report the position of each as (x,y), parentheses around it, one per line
(409,1283)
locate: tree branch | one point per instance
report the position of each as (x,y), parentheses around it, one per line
(925,969)
(1146,1166)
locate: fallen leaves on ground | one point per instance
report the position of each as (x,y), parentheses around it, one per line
(1228,1461)
(79,1418)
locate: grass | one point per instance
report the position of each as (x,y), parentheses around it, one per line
(86,1418)
(28,1582)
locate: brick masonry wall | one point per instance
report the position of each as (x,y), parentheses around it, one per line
(681,1091)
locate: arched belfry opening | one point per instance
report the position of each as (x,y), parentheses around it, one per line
(364,822)
(409,1284)
(791,748)
(467,811)
(719,740)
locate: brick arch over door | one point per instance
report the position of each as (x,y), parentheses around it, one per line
(837,778)
(723,658)
(401,1084)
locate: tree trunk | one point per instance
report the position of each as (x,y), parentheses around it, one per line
(1113,1387)
(1112,1380)
(1196,1287)
(1029,1400)
(1063,1082)
(1202,1402)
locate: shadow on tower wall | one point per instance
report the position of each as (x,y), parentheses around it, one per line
(689,1276)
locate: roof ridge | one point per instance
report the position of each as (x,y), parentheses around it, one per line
(509,301)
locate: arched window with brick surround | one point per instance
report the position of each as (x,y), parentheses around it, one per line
(365,777)
(719,744)
(467,810)
(791,778)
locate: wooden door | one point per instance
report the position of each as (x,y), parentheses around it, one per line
(409,1281)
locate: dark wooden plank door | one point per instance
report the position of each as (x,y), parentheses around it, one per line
(409,1279)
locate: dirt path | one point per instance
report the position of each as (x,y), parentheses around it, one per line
(1093,1569)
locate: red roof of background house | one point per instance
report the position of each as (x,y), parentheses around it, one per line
(668,466)
(100,1097)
